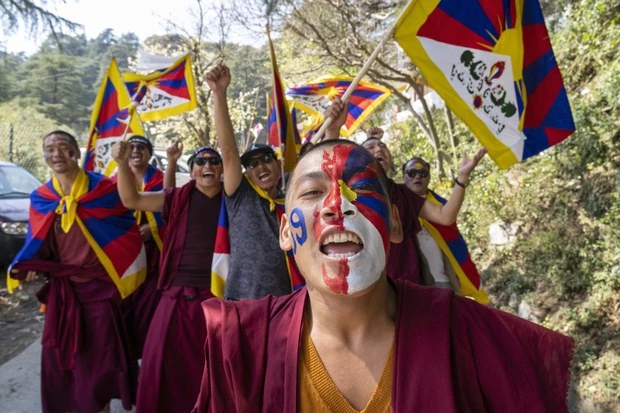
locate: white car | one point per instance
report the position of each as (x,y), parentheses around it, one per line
(160,160)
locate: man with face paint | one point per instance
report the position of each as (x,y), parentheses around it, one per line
(354,340)
(141,305)
(253,201)
(404,260)
(443,246)
(89,248)
(171,362)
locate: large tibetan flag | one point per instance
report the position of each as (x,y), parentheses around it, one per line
(282,127)
(96,208)
(165,92)
(492,63)
(452,244)
(315,98)
(112,119)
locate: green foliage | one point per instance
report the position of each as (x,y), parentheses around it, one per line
(564,259)
(27,127)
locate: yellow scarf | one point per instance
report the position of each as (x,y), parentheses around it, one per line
(67,207)
(265,195)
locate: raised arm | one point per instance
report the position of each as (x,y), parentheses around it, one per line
(338,112)
(218,80)
(173,153)
(446,214)
(130,196)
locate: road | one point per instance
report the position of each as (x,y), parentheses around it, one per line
(19,383)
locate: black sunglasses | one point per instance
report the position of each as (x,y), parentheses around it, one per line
(413,172)
(264,158)
(139,146)
(213,160)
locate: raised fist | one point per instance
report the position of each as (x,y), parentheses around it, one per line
(121,151)
(174,151)
(218,78)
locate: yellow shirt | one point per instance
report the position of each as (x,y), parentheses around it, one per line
(316,391)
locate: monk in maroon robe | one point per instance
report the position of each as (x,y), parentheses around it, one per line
(85,359)
(141,305)
(353,338)
(172,361)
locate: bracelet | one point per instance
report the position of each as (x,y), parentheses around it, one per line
(459,183)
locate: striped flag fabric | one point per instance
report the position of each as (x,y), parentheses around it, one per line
(493,64)
(221,254)
(453,245)
(165,92)
(315,98)
(112,119)
(282,128)
(107,225)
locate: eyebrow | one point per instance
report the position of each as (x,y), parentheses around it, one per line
(309,176)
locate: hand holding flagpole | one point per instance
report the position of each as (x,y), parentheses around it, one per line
(362,72)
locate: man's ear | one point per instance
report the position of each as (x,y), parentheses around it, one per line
(396,228)
(286,238)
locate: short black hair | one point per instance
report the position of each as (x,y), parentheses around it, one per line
(416,158)
(64,134)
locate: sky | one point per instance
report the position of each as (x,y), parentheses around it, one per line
(142,17)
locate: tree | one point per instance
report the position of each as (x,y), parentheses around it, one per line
(34,16)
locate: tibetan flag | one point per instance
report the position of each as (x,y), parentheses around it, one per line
(165,92)
(109,228)
(311,127)
(112,119)
(315,98)
(452,244)
(221,254)
(282,128)
(153,182)
(493,65)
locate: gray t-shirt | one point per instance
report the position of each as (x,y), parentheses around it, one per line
(257,264)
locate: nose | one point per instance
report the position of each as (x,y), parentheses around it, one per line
(335,208)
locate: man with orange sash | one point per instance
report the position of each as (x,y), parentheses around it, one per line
(355,340)
(171,361)
(443,246)
(87,244)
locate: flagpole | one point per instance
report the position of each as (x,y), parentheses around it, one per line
(278,120)
(371,59)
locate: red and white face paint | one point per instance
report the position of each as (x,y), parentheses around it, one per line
(348,210)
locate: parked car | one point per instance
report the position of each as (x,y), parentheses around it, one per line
(160,160)
(16,185)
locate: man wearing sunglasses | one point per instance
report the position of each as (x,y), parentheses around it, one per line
(404,259)
(141,305)
(442,246)
(171,360)
(258,267)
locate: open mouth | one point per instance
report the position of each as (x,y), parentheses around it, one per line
(341,245)
(208,174)
(264,176)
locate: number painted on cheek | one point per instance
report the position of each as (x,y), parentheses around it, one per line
(299,224)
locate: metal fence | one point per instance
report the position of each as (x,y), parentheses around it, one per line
(21,144)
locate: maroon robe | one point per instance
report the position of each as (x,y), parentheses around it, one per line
(140,306)
(403,260)
(85,360)
(172,361)
(451,355)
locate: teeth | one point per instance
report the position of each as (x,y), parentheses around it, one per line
(342,237)
(347,255)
